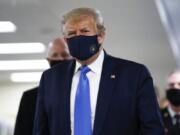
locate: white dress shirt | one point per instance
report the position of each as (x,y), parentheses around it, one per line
(94,79)
(172,114)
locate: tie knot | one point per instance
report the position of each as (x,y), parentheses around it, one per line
(84,69)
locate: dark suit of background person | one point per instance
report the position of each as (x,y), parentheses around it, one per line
(126,101)
(25,117)
(57,53)
(173,96)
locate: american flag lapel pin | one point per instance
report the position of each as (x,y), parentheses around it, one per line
(113,76)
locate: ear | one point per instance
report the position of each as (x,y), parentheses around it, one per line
(101,38)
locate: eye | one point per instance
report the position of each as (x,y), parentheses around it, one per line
(65,55)
(55,55)
(85,31)
(171,85)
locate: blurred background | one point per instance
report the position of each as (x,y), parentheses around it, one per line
(145,31)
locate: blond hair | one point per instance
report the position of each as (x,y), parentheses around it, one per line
(77,13)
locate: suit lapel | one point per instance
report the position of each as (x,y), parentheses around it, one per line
(167,120)
(106,89)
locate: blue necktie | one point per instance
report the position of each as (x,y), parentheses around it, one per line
(82,110)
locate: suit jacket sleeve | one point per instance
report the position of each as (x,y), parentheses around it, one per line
(41,119)
(147,107)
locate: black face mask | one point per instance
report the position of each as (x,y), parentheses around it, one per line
(83,47)
(55,62)
(173,95)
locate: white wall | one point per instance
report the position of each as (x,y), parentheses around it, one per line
(10,96)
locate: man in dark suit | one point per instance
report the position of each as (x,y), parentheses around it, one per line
(56,53)
(171,114)
(95,94)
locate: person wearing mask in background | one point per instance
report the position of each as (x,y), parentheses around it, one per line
(95,94)
(171,114)
(57,52)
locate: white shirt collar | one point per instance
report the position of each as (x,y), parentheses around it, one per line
(95,66)
(171,112)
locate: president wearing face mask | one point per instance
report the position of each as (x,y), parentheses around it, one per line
(171,114)
(57,52)
(95,94)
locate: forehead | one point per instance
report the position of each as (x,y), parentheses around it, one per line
(174,78)
(83,21)
(56,47)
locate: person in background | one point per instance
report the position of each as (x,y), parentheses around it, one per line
(95,94)
(171,114)
(57,52)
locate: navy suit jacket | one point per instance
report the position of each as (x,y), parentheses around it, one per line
(126,103)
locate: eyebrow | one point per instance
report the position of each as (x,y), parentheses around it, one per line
(70,32)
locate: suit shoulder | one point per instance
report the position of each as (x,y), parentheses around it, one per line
(164,110)
(165,115)
(30,93)
(28,99)
(128,64)
(130,68)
